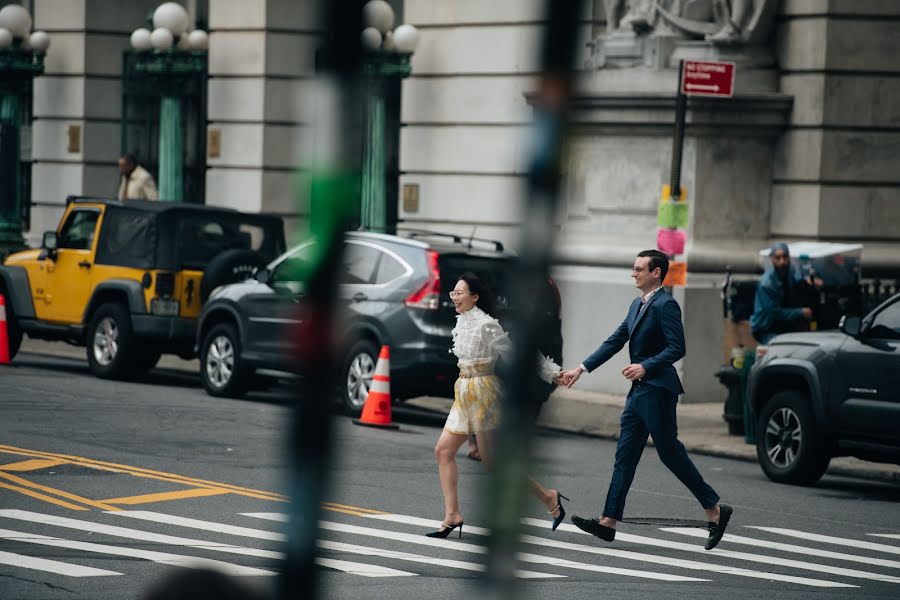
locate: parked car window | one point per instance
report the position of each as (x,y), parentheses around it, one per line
(389,269)
(887,323)
(292,268)
(359,263)
(78,232)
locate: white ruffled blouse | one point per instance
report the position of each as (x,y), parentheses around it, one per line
(479,338)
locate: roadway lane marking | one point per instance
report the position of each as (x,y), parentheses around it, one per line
(893,536)
(745,556)
(147,473)
(40,496)
(828,539)
(627,554)
(56,492)
(421,540)
(737,539)
(166,496)
(275,536)
(33,464)
(135,534)
(429,560)
(363,569)
(51,566)
(163,558)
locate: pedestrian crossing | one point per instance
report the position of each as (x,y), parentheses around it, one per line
(366,543)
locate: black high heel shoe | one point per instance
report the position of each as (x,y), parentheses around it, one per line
(559,507)
(445,530)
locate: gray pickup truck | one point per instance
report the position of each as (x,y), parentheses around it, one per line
(823,394)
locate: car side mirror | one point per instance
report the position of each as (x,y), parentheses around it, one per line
(262,275)
(851,325)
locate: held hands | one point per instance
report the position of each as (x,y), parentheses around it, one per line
(634,372)
(568,378)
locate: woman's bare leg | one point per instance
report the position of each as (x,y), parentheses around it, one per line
(547,496)
(445,452)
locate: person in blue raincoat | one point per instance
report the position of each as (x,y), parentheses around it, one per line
(773,307)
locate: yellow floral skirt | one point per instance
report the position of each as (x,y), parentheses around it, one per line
(476,404)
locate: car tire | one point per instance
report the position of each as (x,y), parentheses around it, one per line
(230,266)
(788,445)
(13,331)
(222,369)
(356,376)
(146,360)
(111,343)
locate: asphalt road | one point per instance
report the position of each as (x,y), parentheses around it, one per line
(107,488)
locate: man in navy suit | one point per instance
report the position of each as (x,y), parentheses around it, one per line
(655,337)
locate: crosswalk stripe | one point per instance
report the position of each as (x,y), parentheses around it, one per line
(270,535)
(476,549)
(51,566)
(164,558)
(156,517)
(135,534)
(355,568)
(739,539)
(746,556)
(429,560)
(662,543)
(828,539)
(893,536)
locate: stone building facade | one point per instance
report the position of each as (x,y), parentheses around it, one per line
(806,148)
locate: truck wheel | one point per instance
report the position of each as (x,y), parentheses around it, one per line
(356,376)
(230,266)
(788,446)
(221,367)
(111,343)
(146,360)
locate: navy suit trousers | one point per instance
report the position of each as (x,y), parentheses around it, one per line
(650,410)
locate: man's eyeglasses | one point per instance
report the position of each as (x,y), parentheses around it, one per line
(638,269)
(455,294)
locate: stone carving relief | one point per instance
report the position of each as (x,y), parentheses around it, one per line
(716,21)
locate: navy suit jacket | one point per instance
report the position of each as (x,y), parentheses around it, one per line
(655,339)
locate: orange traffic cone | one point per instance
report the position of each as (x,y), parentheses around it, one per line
(377,409)
(4,334)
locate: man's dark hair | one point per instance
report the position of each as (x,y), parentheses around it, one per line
(657,259)
(130,159)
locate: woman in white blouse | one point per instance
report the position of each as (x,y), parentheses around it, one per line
(478,340)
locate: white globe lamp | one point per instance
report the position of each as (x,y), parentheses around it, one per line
(16,20)
(198,40)
(406,38)
(162,38)
(371,38)
(6,38)
(183,43)
(140,39)
(378,14)
(172,16)
(39,41)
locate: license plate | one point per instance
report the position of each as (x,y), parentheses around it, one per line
(164,308)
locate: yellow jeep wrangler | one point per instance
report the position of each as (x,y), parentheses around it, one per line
(127,279)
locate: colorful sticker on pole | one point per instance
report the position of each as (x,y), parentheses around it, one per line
(673,213)
(670,241)
(677,275)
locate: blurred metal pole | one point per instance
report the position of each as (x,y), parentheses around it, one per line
(333,193)
(551,103)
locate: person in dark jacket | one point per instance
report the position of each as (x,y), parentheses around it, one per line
(655,336)
(772,310)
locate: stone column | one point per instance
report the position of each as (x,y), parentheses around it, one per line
(78,101)
(261,61)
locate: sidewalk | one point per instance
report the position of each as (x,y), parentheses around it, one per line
(700,425)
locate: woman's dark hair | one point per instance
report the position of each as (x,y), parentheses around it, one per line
(486,301)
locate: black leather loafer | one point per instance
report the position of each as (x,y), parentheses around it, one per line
(594,527)
(718,529)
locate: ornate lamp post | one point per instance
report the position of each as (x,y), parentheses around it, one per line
(163,62)
(387,55)
(21,60)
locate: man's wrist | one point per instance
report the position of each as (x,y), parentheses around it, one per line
(582,368)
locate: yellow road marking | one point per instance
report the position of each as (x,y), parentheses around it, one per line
(355,513)
(31,465)
(165,496)
(56,492)
(40,496)
(365,511)
(139,472)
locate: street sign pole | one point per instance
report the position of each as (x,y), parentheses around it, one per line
(678,138)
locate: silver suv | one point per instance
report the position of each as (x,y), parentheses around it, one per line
(395,291)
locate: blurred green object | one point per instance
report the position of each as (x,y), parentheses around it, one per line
(749,416)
